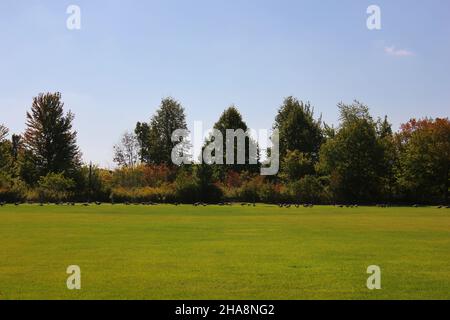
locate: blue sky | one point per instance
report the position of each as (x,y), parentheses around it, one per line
(211,54)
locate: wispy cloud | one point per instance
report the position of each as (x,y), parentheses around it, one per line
(393,51)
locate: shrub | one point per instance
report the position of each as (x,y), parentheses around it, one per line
(157,175)
(144,176)
(249,191)
(295,165)
(270,193)
(209,191)
(233,179)
(12,189)
(54,187)
(145,194)
(128,178)
(32,195)
(187,188)
(213,193)
(93,184)
(307,190)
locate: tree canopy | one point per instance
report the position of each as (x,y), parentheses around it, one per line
(297,128)
(3,132)
(353,158)
(49,136)
(155,138)
(424,172)
(231,119)
(126,153)
(360,160)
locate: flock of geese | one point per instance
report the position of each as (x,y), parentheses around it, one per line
(203,204)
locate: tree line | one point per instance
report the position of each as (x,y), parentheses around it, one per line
(361,160)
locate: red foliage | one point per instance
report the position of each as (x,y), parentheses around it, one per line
(233,179)
(155,175)
(439,127)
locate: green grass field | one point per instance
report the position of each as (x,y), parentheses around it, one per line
(186,252)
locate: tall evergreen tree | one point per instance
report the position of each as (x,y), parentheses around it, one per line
(49,136)
(142,132)
(5,156)
(4,148)
(384,128)
(3,132)
(16,145)
(231,119)
(389,161)
(158,148)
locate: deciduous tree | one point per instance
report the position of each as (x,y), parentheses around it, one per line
(353,158)
(425,159)
(126,153)
(298,129)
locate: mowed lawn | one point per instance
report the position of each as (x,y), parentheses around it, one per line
(186,252)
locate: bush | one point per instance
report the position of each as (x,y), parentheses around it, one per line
(157,175)
(32,195)
(145,194)
(128,178)
(209,191)
(296,164)
(144,176)
(213,193)
(12,189)
(187,188)
(93,184)
(307,190)
(270,193)
(54,187)
(249,191)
